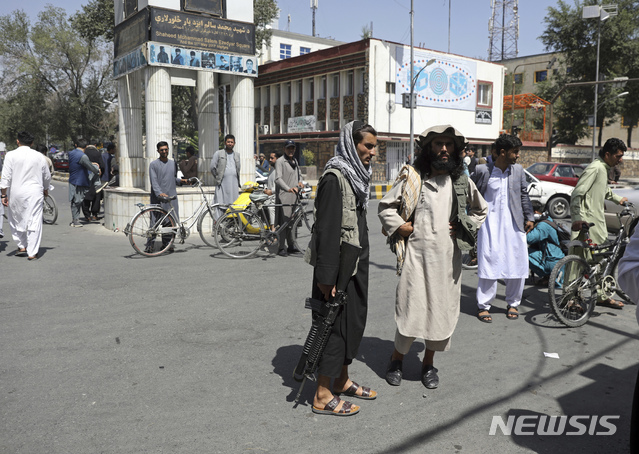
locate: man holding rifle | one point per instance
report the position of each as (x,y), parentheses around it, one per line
(340,217)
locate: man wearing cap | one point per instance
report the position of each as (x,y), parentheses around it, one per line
(288,182)
(501,243)
(429,290)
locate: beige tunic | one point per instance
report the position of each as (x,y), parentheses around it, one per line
(429,289)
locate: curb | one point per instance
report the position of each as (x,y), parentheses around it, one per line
(377,190)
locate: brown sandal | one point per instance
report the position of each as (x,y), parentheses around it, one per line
(367,393)
(329,409)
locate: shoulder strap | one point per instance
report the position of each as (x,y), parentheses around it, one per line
(556,227)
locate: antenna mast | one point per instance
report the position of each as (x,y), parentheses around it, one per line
(314,8)
(503,30)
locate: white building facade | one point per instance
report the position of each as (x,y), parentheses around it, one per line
(310,97)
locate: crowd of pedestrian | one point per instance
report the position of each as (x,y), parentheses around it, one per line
(445,203)
(437,209)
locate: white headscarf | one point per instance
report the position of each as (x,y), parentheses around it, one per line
(347,161)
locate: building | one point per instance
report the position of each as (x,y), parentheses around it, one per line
(288,44)
(308,98)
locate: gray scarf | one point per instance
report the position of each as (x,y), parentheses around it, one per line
(347,161)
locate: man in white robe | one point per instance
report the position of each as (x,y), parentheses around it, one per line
(502,251)
(24,184)
(428,295)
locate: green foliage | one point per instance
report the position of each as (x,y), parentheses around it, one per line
(576,39)
(184,107)
(309,157)
(264,11)
(96,20)
(366,32)
(53,79)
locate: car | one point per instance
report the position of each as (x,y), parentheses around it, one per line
(611,209)
(61,164)
(554,197)
(557,172)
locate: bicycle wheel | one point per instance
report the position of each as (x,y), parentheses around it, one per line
(206,227)
(572,294)
(151,232)
(307,205)
(301,232)
(49,210)
(240,234)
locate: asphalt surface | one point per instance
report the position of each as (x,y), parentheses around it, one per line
(106,351)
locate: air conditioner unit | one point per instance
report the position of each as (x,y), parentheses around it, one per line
(263,129)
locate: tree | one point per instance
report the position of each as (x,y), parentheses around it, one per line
(576,39)
(96,20)
(264,12)
(53,79)
(367,32)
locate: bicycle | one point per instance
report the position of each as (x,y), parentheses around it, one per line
(574,282)
(152,231)
(49,210)
(242,233)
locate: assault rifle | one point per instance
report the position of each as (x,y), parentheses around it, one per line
(324,314)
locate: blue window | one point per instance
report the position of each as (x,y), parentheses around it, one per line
(540,76)
(305,50)
(285,51)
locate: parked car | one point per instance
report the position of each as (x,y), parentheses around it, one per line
(61,164)
(611,208)
(554,197)
(557,172)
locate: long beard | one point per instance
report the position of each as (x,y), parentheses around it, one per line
(440,164)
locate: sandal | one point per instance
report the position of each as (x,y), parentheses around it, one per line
(329,409)
(367,393)
(512,313)
(613,304)
(486,318)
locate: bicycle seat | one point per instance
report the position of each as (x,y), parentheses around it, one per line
(167,199)
(258,197)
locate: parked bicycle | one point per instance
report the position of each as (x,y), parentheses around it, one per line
(242,233)
(153,230)
(574,282)
(49,210)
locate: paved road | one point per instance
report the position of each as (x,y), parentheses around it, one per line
(106,351)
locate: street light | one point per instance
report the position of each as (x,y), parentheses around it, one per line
(620,95)
(412,101)
(602,14)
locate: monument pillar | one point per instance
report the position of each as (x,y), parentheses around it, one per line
(158,115)
(131,152)
(243,124)
(208,123)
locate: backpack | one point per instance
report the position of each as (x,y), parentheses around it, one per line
(562,234)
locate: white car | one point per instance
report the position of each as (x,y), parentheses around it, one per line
(554,197)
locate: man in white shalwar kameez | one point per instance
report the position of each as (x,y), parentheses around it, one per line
(502,251)
(24,184)
(428,295)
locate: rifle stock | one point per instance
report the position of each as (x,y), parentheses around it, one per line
(324,318)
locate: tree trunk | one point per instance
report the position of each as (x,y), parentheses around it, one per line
(629,141)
